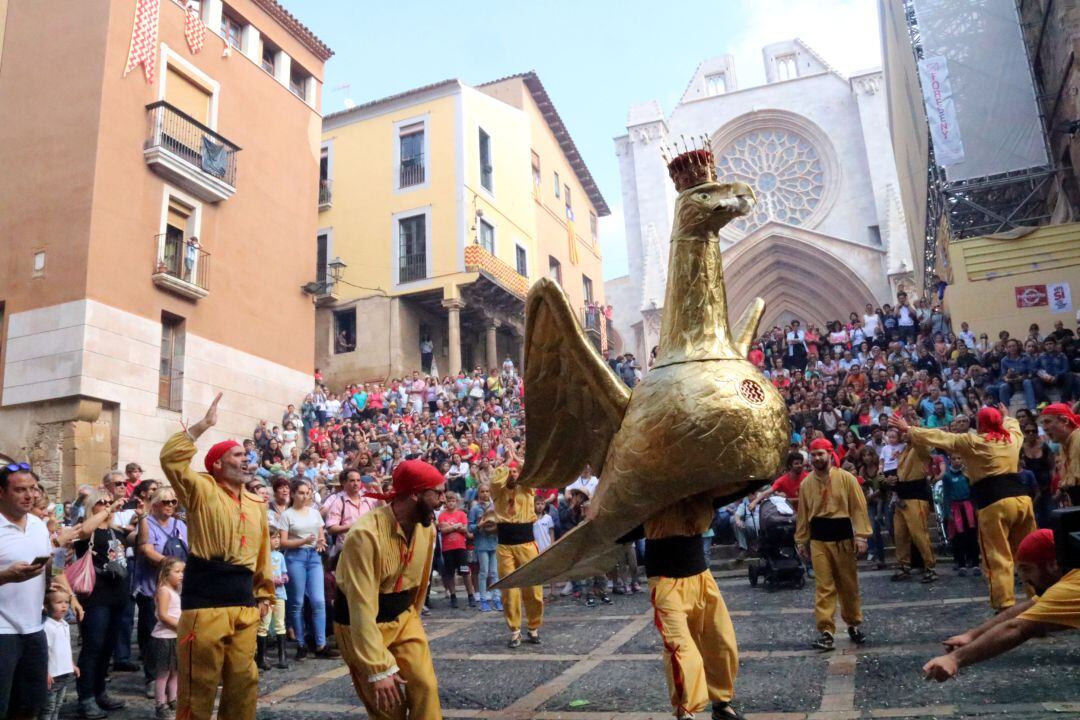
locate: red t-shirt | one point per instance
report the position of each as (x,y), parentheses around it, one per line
(790,488)
(453,540)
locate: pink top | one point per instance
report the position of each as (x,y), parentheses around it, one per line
(160,630)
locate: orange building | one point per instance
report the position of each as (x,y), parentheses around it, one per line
(153,231)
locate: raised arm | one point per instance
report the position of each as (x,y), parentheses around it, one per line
(176,456)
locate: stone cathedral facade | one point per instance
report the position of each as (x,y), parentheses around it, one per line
(827,235)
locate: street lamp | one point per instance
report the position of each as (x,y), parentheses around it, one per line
(334,270)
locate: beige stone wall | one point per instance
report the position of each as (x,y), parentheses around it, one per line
(68,442)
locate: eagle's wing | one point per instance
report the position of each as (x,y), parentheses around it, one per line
(574,403)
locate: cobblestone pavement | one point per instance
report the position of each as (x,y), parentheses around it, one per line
(604,663)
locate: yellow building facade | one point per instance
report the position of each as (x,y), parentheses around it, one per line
(443,204)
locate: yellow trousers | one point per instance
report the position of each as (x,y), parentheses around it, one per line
(910,525)
(510,558)
(274,620)
(701,658)
(835,573)
(1002,525)
(406,641)
(216,646)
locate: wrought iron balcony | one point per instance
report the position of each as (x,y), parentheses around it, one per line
(411,172)
(184,151)
(326,194)
(412,267)
(181,266)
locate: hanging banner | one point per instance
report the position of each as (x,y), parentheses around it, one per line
(941,111)
(1028,296)
(1060,297)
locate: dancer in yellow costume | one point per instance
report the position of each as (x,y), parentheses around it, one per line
(382,579)
(912,513)
(701,658)
(832,519)
(1006,515)
(514,514)
(1063,427)
(228,584)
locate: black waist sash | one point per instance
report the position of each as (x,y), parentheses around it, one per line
(391,606)
(992,488)
(831,529)
(515,533)
(216,583)
(675,557)
(913,490)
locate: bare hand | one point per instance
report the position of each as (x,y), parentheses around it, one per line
(65,536)
(860,547)
(803,552)
(389,692)
(22,571)
(941,668)
(264,609)
(209,420)
(958,641)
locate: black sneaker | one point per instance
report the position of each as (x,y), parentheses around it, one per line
(725,711)
(515,640)
(825,641)
(453,601)
(929,576)
(901,574)
(606,599)
(533,637)
(856,635)
(590,601)
(327,653)
(108,704)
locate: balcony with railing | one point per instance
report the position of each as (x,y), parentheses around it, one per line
(326,194)
(181,266)
(411,171)
(412,267)
(184,151)
(477,259)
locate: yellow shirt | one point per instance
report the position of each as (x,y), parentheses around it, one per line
(912,464)
(838,495)
(512,504)
(1060,604)
(377,558)
(221,526)
(982,457)
(1069,460)
(689,516)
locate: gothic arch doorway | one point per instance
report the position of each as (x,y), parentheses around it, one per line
(795,277)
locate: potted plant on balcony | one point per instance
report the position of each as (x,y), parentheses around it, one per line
(161,267)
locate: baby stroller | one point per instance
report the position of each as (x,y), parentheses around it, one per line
(779,564)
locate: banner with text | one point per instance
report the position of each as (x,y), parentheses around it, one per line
(941,111)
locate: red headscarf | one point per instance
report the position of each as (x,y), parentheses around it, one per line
(989,424)
(214,453)
(1064,411)
(821,444)
(1037,548)
(411,477)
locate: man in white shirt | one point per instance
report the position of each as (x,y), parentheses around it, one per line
(870,321)
(25,548)
(967,336)
(906,318)
(586,481)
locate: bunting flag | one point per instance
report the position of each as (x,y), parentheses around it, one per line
(144,39)
(194,29)
(570,235)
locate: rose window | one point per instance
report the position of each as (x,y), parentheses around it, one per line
(784,169)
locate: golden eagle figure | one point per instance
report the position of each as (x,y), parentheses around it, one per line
(703,421)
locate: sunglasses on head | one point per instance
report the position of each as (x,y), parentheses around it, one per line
(17,467)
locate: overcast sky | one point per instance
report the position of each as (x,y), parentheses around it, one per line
(595,58)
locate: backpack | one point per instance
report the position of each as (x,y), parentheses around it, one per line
(174,545)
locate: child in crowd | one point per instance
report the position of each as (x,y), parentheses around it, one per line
(482,526)
(275,619)
(161,654)
(62,668)
(453,527)
(543,532)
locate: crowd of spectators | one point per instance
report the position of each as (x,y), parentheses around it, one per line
(314,464)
